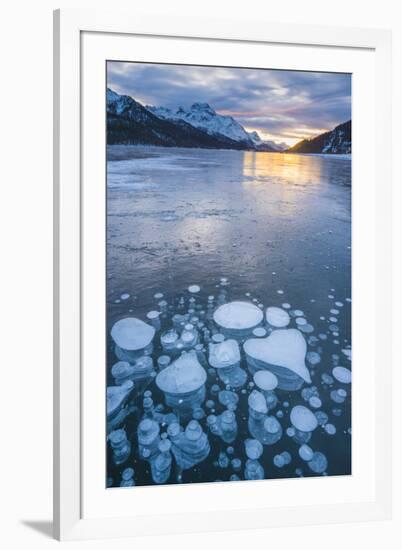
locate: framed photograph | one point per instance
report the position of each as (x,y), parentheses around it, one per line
(223,237)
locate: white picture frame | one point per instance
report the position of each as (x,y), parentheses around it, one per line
(84,39)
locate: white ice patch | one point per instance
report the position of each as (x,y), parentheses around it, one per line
(342,375)
(277,317)
(132,334)
(238,316)
(194,289)
(265,380)
(284,348)
(257,402)
(303,419)
(184,375)
(225,354)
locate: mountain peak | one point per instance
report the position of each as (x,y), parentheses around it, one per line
(199,106)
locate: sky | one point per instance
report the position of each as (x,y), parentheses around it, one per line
(284,106)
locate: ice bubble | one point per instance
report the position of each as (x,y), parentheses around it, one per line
(194,289)
(163,361)
(236,464)
(122,371)
(340,304)
(272,425)
(313,357)
(315,402)
(223,460)
(286,306)
(305,452)
(290,432)
(283,353)
(327,379)
(127,474)
(253,470)
(259,332)
(280,292)
(337,397)
(303,419)
(227,398)
(238,316)
(277,317)
(265,380)
(183,376)
(342,375)
(169,340)
(257,402)
(287,457)
(132,334)
(279,461)
(120,445)
(116,397)
(298,313)
(347,353)
(301,321)
(125,296)
(319,463)
(307,328)
(152,315)
(254,449)
(322,417)
(334,311)
(224,354)
(330,429)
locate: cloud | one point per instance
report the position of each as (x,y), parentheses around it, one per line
(284,105)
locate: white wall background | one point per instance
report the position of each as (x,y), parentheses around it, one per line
(26,273)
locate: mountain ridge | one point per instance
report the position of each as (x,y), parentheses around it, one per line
(336,141)
(129,122)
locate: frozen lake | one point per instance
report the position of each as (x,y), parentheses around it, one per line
(277,226)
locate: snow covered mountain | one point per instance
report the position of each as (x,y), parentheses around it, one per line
(129,122)
(263,145)
(199,126)
(202,116)
(337,141)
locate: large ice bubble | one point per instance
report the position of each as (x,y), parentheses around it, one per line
(303,419)
(225,354)
(283,353)
(277,317)
(238,317)
(183,376)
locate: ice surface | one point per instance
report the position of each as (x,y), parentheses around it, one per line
(284,348)
(342,374)
(277,317)
(184,375)
(132,334)
(238,316)
(303,419)
(225,354)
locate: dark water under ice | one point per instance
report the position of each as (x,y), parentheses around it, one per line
(266,222)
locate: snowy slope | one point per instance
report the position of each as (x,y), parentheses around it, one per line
(201,115)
